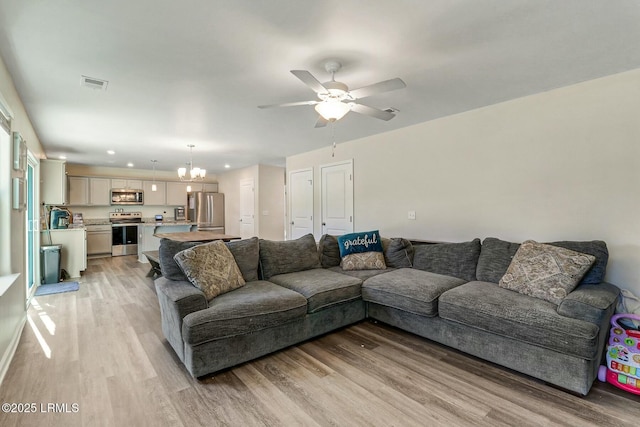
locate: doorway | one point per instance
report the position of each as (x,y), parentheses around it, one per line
(32,225)
(337,198)
(300,186)
(247,208)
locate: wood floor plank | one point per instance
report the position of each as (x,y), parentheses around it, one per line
(102,347)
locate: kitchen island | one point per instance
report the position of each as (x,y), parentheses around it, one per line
(147,240)
(197,236)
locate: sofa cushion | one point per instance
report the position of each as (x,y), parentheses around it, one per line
(211,268)
(495,258)
(328,251)
(247,255)
(398,252)
(545,271)
(488,307)
(409,289)
(257,305)
(281,257)
(322,288)
(168,249)
(360,274)
(450,259)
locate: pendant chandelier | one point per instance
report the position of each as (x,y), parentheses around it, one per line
(195,174)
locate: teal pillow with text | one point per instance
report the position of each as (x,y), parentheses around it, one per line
(361,251)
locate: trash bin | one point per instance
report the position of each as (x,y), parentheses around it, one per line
(50,264)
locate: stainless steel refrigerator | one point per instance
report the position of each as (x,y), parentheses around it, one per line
(206,210)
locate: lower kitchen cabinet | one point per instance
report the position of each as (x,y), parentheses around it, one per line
(98,240)
(73,254)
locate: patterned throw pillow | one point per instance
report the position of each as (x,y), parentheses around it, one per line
(211,268)
(361,251)
(545,271)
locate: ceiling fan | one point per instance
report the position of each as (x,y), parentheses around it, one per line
(335,99)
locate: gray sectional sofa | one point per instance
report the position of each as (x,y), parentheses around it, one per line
(296,290)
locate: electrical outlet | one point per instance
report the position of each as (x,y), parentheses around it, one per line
(412,215)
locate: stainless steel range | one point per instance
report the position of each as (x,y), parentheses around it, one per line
(124,232)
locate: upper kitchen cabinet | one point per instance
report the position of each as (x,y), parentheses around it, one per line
(177,193)
(208,187)
(155,198)
(85,191)
(53,185)
(99,191)
(132,184)
(78,190)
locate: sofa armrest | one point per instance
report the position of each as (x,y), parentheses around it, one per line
(177,298)
(590,302)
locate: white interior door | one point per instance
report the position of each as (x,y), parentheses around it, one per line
(300,203)
(337,198)
(247,209)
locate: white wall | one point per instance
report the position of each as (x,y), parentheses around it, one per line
(560,165)
(268,198)
(12,302)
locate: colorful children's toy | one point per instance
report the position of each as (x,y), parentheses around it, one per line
(623,354)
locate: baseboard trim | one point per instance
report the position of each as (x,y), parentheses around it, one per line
(7,357)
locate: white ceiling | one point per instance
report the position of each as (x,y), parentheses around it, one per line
(194,71)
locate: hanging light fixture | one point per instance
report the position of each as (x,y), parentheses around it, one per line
(195,174)
(154,187)
(332,110)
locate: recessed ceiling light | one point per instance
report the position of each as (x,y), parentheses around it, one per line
(130,164)
(62,157)
(111,152)
(227,166)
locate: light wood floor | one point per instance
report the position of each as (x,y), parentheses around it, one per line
(102,348)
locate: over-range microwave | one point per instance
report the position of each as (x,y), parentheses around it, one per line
(125,196)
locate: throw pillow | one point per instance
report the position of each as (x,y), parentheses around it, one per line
(545,271)
(211,268)
(496,255)
(364,261)
(168,249)
(361,251)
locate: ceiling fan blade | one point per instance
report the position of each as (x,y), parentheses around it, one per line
(385,86)
(289,104)
(308,79)
(373,112)
(322,122)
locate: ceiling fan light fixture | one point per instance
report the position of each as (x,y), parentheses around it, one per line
(332,110)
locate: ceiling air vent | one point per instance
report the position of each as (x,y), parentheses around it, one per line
(93,83)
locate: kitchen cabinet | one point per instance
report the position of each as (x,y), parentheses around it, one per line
(84,191)
(78,190)
(99,240)
(53,182)
(155,198)
(133,184)
(177,193)
(99,191)
(73,254)
(209,187)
